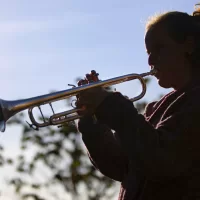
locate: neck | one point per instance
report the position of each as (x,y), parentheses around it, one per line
(182,83)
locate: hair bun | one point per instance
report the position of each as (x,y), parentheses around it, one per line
(197,10)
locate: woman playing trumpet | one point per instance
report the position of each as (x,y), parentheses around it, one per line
(155,156)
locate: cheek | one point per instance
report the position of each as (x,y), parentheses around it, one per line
(176,55)
(167,74)
(171,61)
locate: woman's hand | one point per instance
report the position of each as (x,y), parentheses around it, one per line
(90,99)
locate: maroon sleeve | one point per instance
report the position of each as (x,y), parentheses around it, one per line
(103,148)
(162,152)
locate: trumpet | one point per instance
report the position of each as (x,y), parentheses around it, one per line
(10,108)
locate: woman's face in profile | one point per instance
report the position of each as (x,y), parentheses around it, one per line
(167,56)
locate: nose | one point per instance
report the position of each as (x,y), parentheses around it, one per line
(152,60)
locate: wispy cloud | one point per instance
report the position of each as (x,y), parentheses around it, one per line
(69,20)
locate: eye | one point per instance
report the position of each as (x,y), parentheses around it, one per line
(155,49)
(159,47)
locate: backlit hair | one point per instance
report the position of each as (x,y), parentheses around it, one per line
(179,26)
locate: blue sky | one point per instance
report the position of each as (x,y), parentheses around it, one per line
(45,45)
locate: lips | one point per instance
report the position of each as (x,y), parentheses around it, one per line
(156,71)
(157,75)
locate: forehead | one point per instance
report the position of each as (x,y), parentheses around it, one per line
(157,35)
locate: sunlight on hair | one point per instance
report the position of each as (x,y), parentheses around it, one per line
(153,19)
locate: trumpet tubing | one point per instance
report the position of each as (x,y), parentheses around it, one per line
(10,108)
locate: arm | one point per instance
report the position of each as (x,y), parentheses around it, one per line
(103,148)
(162,152)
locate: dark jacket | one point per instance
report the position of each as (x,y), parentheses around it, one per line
(155,156)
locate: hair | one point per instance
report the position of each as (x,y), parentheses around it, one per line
(180,25)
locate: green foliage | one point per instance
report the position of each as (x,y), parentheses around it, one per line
(60,152)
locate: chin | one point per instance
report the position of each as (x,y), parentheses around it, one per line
(164,84)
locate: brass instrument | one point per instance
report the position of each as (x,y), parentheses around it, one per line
(10,108)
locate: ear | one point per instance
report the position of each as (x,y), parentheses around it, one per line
(189,45)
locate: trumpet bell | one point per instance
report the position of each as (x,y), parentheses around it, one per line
(2,117)
(2,126)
